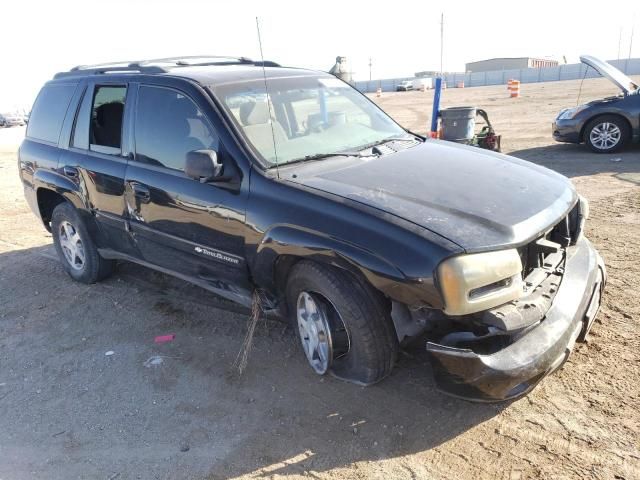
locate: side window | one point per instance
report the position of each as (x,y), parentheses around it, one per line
(105,133)
(81,127)
(49,111)
(168,125)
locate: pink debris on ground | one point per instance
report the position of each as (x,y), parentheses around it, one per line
(165,338)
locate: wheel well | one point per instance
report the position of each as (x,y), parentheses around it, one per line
(621,117)
(284,264)
(48,200)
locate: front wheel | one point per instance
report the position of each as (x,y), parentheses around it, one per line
(344,325)
(76,250)
(606,134)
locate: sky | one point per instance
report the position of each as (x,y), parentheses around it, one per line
(42,37)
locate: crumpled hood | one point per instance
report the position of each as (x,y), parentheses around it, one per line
(478,199)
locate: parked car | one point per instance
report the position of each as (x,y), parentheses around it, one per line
(422,83)
(10,120)
(404,86)
(604,125)
(314,201)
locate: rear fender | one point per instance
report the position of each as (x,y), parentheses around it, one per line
(67,189)
(60,184)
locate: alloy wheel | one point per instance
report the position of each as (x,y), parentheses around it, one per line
(71,245)
(605,135)
(315,332)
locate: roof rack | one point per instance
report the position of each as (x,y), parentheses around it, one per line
(160,65)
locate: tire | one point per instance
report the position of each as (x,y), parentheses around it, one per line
(69,232)
(365,345)
(614,126)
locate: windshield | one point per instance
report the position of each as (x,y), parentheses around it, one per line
(307,116)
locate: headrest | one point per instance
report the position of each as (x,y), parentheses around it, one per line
(178,116)
(184,108)
(254,113)
(111,111)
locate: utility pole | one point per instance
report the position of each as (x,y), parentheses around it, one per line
(631,40)
(369,68)
(441,41)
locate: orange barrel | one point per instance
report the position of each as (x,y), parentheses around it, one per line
(460,85)
(514,88)
(379,92)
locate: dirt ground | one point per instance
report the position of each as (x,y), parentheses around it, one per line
(69,411)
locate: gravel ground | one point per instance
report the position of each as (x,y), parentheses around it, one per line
(67,410)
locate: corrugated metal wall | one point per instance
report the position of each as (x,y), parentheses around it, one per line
(572,71)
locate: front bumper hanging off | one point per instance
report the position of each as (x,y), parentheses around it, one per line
(517,368)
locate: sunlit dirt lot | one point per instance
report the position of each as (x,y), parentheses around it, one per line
(69,411)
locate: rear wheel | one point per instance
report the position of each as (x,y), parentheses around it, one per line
(606,134)
(76,250)
(344,325)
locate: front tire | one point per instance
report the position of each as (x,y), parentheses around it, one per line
(344,325)
(76,250)
(606,134)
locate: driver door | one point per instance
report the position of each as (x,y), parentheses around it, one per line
(179,224)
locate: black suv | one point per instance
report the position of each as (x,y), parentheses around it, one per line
(257,181)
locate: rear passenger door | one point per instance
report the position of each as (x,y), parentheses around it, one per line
(180,224)
(97,159)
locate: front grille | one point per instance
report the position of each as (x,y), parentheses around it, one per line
(538,253)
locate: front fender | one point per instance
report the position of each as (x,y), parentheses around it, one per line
(610,110)
(299,242)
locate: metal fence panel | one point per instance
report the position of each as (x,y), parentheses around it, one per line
(573,71)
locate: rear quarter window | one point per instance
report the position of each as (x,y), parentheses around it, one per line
(49,111)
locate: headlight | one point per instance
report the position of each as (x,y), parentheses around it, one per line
(582,214)
(479,281)
(569,113)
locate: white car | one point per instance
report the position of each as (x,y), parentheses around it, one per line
(404,86)
(10,120)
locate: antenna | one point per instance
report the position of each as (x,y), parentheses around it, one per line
(266,89)
(631,39)
(619,42)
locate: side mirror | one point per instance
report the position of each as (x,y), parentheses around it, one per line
(203,165)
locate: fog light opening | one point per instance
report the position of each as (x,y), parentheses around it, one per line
(490,288)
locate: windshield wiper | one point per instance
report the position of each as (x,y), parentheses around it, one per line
(407,138)
(320,156)
(394,139)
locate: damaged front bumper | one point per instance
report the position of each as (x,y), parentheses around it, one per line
(515,369)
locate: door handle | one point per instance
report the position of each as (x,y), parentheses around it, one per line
(141,191)
(71,172)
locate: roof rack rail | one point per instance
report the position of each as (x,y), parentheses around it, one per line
(185,60)
(160,65)
(206,60)
(83,70)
